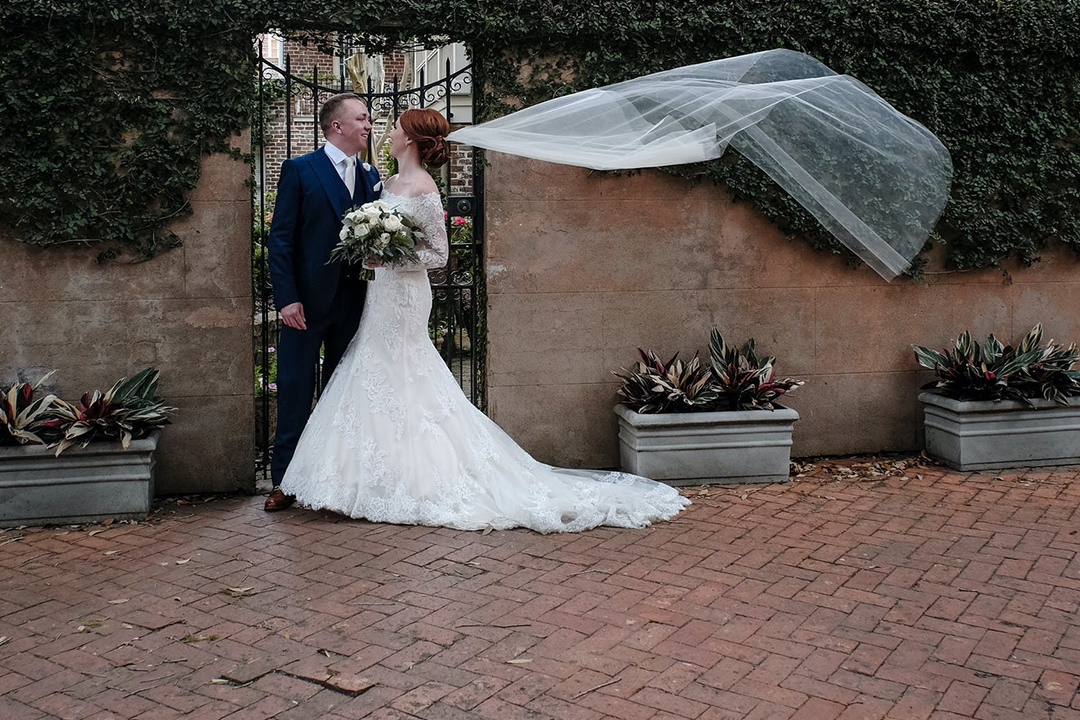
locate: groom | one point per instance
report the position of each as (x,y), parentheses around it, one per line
(320,304)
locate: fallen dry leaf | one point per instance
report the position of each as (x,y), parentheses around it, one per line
(184,561)
(110,552)
(238,591)
(519,661)
(220,681)
(121,601)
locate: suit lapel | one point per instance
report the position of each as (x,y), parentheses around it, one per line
(331,182)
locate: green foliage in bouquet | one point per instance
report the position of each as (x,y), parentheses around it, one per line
(375,230)
(991,371)
(659,387)
(130,409)
(23,415)
(742,381)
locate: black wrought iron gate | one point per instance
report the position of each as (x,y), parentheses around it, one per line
(457,324)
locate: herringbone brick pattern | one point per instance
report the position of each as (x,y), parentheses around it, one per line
(890,591)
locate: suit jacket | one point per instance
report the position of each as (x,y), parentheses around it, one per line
(310,202)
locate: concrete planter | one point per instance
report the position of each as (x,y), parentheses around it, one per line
(987,435)
(102,480)
(711,448)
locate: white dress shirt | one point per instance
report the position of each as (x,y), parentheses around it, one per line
(337,157)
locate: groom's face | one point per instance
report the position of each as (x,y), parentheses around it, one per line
(352,125)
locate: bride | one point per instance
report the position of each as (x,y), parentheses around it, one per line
(394,439)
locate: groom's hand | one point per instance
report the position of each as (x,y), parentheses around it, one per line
(293,316)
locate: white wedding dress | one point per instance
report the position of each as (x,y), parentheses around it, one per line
(394,439)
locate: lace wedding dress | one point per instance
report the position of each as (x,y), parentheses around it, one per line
(394,439)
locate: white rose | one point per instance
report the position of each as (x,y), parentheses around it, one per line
(393,223)
(383,240)
(344,233)
(362,230)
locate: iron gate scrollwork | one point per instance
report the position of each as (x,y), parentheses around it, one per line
(457,324)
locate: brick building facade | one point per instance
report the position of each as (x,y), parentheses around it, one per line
(460,168)
(305,61)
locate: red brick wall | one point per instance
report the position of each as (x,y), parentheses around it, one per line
(394,66)
(461,168)
(304,59)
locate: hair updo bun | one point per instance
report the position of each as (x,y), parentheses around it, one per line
(428,129)
(438,155)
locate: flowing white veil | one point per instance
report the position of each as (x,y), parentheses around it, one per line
(875,178)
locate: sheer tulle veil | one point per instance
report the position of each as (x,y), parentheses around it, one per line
(875,178)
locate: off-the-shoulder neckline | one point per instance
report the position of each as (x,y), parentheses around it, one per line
(405,197)
(409,197)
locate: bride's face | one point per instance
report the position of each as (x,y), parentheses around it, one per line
(399,141)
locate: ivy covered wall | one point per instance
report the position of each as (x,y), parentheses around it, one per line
(107,108)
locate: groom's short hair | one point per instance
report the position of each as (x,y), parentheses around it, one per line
(330,109)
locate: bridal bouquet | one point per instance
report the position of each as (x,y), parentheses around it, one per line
(375,230)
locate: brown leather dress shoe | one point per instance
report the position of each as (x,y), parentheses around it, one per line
(277,500)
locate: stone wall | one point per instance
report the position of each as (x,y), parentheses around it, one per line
(187,312)
(583,268)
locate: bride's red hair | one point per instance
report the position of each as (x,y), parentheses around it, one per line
(428,129)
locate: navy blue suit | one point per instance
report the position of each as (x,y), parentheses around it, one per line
(307,219)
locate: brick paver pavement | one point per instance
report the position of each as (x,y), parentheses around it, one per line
(890,591)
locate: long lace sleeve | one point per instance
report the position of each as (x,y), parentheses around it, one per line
(434,249)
